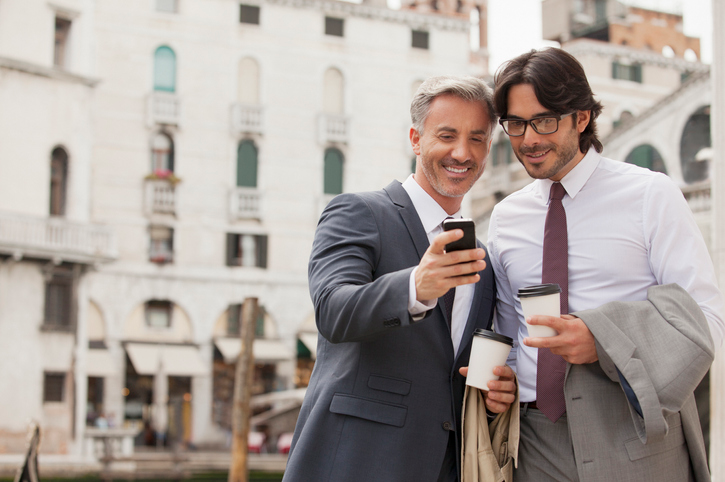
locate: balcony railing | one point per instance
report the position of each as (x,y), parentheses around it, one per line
(164,108)
(160,197)
(246,118)
(333,128)
(698,196)
(245,203)
(56,238)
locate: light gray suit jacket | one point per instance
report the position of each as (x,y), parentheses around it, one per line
(663,348)
(385,392)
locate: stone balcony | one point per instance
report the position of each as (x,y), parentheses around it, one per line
(160,197)
(333,128)
(245,203)
(55,238)
(164,108)
(246,118)
(698,196)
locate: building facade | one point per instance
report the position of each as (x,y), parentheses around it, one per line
(184,149)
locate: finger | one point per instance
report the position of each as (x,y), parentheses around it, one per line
(537,342)
(439,242)
(552,321)
(504,372)
(463,371)
(501,386)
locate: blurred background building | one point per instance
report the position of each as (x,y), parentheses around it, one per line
(163,160)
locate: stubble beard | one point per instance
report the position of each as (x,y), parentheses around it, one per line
(565,152)
(440,186)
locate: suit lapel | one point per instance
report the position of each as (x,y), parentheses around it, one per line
(410,216)
(417,233)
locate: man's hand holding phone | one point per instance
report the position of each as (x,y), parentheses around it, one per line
(451,260)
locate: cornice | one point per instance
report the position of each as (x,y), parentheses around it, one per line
(695,81)
(42,71)
(413,19)
(605,49)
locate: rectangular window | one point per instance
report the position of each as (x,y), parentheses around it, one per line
(169,6)
(54,387)
(59,300)
(62,32)
(334,26)
(631,72)
(420,39)
(158,313)
(248,250)
(249,14)
(161,249)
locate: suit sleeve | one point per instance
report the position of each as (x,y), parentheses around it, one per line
(353,303)
(661,346)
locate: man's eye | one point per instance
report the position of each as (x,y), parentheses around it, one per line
(516,124)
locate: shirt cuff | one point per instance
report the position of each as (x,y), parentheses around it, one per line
(417,309)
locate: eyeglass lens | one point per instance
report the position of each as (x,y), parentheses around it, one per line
(542,125)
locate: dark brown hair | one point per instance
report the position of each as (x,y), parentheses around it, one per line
(559,83)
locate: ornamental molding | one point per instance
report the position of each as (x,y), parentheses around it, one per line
(413,19)
(582,47)
(42,71)
(694,82)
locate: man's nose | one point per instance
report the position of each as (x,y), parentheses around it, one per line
(461,151)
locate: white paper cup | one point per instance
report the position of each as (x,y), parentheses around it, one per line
(489,350)
(540,300)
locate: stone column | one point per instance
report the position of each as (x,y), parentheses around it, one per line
(202,398)
(717,126)
(160,418)
(79,367)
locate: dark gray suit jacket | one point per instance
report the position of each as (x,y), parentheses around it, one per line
(385,391)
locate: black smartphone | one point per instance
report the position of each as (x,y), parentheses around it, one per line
(468,241)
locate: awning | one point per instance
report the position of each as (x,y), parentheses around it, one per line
(263,350)
(99,363)
(310,341)
(174,360)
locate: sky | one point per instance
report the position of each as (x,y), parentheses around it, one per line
(514,26)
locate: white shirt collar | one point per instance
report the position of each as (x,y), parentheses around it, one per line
(431,214)
(575,179)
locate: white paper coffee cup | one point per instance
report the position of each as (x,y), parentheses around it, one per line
(489,350)
(540,300)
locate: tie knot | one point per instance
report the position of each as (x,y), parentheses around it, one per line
(557,191)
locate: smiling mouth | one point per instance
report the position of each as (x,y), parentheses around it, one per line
(455,170)
(537,155)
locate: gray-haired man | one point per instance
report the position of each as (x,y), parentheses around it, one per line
(385,397)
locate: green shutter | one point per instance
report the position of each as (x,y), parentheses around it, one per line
(247,164)
(333,171)
(165,69)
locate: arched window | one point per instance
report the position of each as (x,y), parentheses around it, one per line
(58,181)
(162,153)
(247,164)
(248,88)
(333,171)
(695,137)
(165,69)
(333,92)
(647,156)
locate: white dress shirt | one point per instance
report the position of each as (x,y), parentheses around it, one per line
(432,215)
(628,228)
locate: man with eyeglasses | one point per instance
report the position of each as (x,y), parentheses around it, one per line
(611,396)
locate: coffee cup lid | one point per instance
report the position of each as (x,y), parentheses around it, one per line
(491,335)
(539,290)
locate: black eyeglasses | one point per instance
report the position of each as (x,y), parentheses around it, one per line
(547,124)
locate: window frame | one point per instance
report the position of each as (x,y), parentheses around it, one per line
(420,39)
(54,381)
(156,305)
(334,26)
(250,14)
(235,250)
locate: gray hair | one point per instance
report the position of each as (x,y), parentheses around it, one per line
(471,89)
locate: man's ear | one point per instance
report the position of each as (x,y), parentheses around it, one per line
(414,140)
(582,120)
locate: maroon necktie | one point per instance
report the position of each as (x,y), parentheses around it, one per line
(550,368)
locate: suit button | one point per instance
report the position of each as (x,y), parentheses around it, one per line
(447,426)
